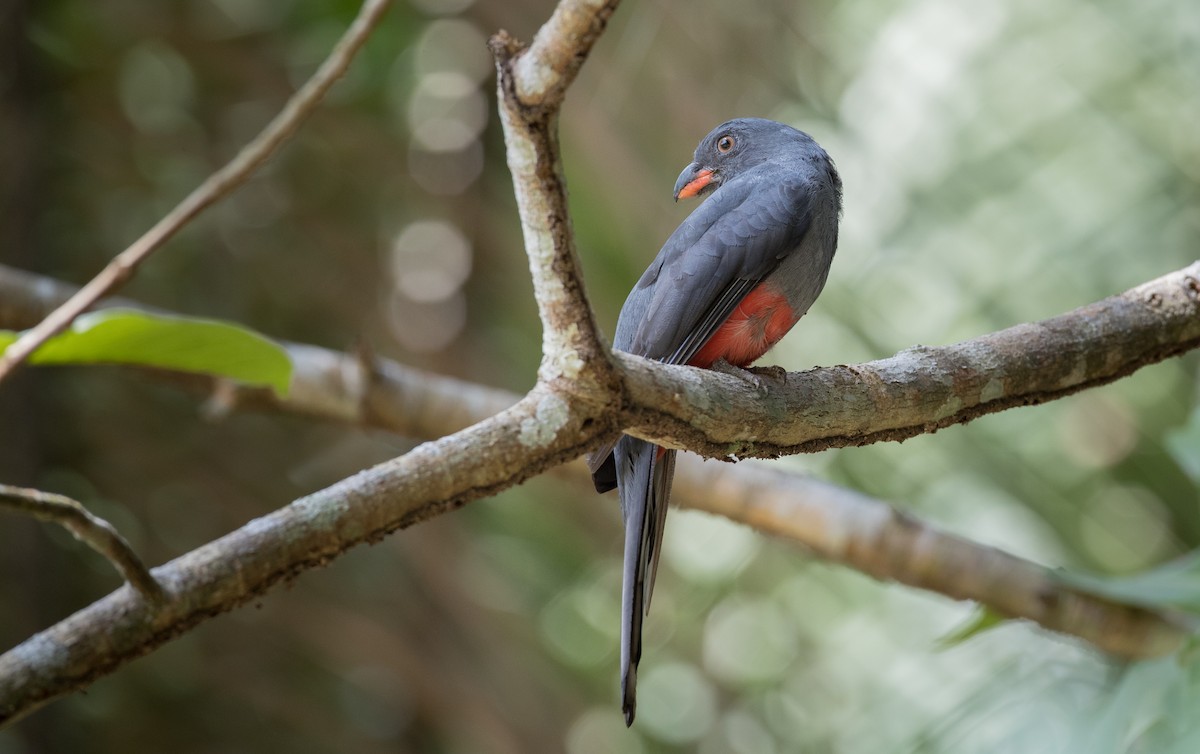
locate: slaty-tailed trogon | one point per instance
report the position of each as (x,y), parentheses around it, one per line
(727,285)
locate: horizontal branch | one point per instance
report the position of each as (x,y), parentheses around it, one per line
(917,391)
(353,388)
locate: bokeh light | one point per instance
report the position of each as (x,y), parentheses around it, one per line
(1003,161)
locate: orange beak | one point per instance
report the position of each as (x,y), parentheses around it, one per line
(692,182)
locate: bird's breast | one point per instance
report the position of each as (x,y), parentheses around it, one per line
(761,319)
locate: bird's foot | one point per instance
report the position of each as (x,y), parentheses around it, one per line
(761,377)
(775,373)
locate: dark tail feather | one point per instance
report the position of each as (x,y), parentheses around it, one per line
(645,484)
(664,473)
(603,467)
(631,621)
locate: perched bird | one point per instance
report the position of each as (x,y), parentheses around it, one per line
(726,286)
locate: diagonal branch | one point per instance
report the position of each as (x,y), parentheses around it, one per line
(92,530)
(438,476)
(871,536)
(219,185)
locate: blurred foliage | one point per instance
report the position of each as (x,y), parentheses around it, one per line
(1004,160)
(1174,584)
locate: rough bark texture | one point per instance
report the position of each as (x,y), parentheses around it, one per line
(530,85)
(520,440)
(479,461)
(583,397)
(919,390)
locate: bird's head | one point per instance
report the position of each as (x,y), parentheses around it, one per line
(735,146)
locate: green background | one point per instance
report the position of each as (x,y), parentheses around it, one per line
(1003,161)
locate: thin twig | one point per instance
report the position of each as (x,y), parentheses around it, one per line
(88,528)
(219,185)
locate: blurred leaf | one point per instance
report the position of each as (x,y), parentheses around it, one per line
(202,346)
(1175,584)
(1177,731)
(983,618)
(1136,702)
(1184,446)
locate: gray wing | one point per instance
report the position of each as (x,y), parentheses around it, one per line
(719,254)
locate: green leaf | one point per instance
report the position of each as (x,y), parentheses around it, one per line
(981,619)
(1174,584)
(185,344)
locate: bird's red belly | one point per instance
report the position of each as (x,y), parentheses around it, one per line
(757,323)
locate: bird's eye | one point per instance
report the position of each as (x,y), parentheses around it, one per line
(725,144)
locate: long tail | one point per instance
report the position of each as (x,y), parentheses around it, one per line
(644,473)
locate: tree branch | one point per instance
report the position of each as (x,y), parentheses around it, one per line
(917,391)
(544,71)
(582,397)
(531,83)
(873,537)
(92,530)
(217,186)
(836,524)
(433,478)
(920,390)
